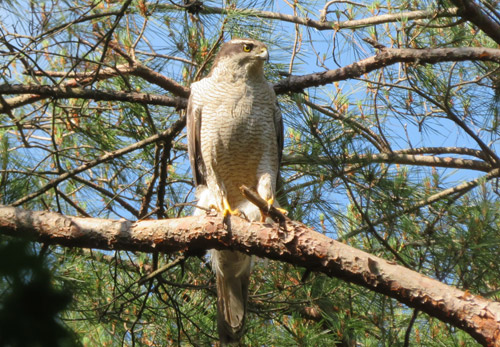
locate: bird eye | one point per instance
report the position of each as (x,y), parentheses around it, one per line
(247,47)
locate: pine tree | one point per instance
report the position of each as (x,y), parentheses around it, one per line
(391,114)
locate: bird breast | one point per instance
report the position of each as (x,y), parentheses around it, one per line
(237,133)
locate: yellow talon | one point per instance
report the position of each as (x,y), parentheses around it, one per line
(228,210)
(270,203)
(282,210)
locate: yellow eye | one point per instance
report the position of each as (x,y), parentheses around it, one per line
(247,48)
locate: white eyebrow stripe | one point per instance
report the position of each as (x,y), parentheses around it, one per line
(241,41)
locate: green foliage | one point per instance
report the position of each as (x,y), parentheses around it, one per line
(30,303)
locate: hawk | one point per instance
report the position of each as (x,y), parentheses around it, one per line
(235,137)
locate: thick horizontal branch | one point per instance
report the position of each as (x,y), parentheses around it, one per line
(39,92)
(300,245)
(383,58)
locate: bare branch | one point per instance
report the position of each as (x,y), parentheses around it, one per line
(304,247)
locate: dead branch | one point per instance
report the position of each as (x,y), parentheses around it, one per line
(304,247)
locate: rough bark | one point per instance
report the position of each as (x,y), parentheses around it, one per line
(299,245)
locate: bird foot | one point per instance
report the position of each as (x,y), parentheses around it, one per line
(227,213)
(269,205)
(227,209)
(282,210)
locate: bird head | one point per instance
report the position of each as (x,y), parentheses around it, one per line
(242,54)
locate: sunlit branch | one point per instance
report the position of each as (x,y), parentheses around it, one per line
(392,158)
(421,160)
(385,57)
(442,150)
(137,69)
(19,101)
(297,245)
(321,24)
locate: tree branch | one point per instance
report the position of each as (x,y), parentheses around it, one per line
(303,247)
(321,24)
(45,91)
(136,69)
(386,57)
(470,11)
(394,158)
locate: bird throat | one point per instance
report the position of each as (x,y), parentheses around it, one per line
(251,70)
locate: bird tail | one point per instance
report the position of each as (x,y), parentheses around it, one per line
(232,271)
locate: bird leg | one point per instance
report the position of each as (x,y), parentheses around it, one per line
(227,209)
(228,212)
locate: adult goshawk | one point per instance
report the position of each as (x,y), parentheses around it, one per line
(235,137)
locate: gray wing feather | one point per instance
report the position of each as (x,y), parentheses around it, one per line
(278,125)
(193,125)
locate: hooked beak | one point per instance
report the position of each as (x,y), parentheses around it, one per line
(263,54)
